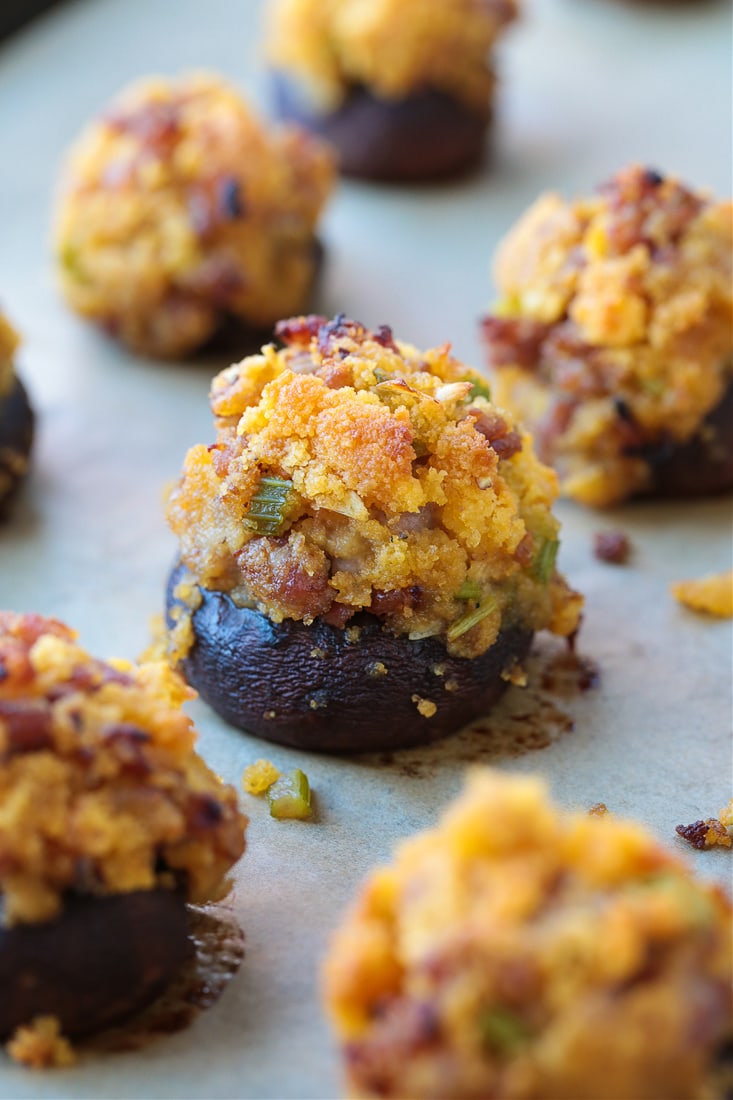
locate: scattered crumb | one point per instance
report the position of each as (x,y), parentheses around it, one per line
(318,653)
(712,594)
(425,706)
(705,834)
(377,669)
(710,833)
(611,546)
(726,814)
(515,675)
(353,633)
(258,777)
(598,809)
(41,1045)
(451,685)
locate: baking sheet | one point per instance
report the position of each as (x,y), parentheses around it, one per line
(588,85)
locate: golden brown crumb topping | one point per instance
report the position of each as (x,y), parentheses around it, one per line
(394,47)
(178,207)
(614,326)
(101,790)
(352,472)
(519,951)
(9,341)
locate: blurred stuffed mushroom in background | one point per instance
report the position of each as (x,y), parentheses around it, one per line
(403,89)
(367,548)
(16,418)
(612,337)
(521,951)
(179,213)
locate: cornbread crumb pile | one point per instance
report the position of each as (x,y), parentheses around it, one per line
(352,472)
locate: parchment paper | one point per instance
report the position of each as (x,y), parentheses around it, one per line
(587,86)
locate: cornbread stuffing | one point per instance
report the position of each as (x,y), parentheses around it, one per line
(393,47)
(352,472)
(712,595)
(105,750)
(179,210)
(613,336)
(519,951)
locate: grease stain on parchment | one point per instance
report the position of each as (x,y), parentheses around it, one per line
(217,950)
(524,720)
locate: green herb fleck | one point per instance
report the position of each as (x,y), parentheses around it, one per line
(470,619)
(543,559)
(469,590)
(269,507)
(655,386)
(290,796)
(479,388)
(70,262)
(502,1032)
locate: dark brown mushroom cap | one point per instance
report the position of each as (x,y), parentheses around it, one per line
(324,689)
(101,960)
(428,135)
(16,438)
(703,465)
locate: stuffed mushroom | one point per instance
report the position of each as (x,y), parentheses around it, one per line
(16,418)
(367,547)
(520,951)
(181,214)
(612,338)
(403,89)
(110,824)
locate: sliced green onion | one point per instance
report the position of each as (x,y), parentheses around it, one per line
(469,590)
(71,263)
(502,1031)
(471,618)
(267,513)
(290,796)
(543,560)
(654,386)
